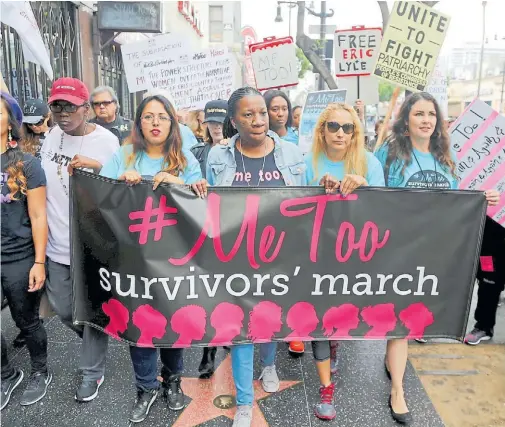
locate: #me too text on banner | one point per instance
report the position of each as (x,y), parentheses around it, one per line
(166,268)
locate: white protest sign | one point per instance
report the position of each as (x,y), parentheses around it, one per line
(139,58)
(356,51)
(478,138)
(365,88)
(275,63)
(195,78)
(437,87)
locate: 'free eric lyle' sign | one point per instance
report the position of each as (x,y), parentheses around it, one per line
(411,44)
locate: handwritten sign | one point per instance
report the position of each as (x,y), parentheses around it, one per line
(194,78)
(314,105)
(437,86)
(411,44)
(478,138)
(356,51)
(275,63)
(139,58)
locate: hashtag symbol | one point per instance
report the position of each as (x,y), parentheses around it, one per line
(146,225)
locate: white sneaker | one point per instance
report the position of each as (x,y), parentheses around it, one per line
(269,379)
(243,416)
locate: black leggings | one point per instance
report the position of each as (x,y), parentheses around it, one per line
(24,307)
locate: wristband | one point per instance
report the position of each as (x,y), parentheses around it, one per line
(43,263)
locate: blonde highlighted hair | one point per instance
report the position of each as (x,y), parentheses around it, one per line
(355,161)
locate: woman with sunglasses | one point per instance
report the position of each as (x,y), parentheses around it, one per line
(156,154)
(339,162)
(73,143)
(418,155)
(37,121)
(253,157)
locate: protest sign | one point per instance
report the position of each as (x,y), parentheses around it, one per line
(166,268)
(275,63)
(195,78)
(315,103)
(139,58)
(478,138)
(368,89)
(411,44)
(437,86)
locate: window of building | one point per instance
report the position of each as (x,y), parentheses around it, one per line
(216,23)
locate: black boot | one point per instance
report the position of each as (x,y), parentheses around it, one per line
(173,392)
(206,368)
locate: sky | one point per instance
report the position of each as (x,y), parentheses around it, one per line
(466,18)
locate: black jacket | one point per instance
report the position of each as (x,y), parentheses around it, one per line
(120,127)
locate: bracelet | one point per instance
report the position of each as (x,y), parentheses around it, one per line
(43,263)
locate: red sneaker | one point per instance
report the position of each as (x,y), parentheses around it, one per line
(296,347)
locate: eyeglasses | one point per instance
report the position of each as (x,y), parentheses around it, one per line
(149,118)
(104,103)
(334,127)
(68,108)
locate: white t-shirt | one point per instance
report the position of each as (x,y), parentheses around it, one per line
(99,145)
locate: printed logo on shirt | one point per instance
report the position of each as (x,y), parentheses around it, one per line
(59,159)
(5,198)
(428,179)
(261,177)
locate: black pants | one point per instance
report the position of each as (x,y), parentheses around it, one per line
(491,283)
(24,307)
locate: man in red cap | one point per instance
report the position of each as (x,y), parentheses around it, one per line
(73,143)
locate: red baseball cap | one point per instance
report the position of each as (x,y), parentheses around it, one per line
(69,89)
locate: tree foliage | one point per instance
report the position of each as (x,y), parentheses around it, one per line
(304,63)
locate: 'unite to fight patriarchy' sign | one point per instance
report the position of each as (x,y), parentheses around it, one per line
(411,44)
(165,268)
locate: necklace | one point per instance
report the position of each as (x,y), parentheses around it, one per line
(59,169)
(262,167)
(422,171)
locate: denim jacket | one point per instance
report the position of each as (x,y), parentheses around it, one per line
(221,165)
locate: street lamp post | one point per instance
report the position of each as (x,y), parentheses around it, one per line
(321,15)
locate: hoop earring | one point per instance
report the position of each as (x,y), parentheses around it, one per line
(406,133)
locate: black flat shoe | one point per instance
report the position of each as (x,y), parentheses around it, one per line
(405,419)
(387,370)
(206,368)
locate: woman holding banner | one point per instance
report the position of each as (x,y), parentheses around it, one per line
(254,157)
(417,154)
(338,161)
(156,154)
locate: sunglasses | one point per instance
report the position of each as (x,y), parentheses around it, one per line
(334,127)
(39,123)
(104,103)
(68,108)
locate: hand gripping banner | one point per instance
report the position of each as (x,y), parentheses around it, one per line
(164,268)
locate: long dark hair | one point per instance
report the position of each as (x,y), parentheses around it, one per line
(16,180)
(269,96)
(174,160)
(399,143)
(31,140)
(228,129)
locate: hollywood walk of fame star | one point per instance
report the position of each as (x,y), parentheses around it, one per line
(203,393)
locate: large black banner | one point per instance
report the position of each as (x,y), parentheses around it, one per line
(166,268)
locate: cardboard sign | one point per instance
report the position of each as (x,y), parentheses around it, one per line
(275,63)
(365,88)
(411,44)
(438,87)
(314,105)
(478,138)
(356,51)
(141,57)
(195,78)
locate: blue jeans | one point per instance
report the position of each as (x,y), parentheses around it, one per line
(145,365)
(242,363)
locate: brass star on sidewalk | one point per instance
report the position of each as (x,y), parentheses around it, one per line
(204,392)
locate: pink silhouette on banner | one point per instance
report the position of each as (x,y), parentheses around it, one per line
(119,317)
(381,318)
(227,319)
(265,320)
(152,324)
(302,319)
(189,322)
(341,319)
(416,318)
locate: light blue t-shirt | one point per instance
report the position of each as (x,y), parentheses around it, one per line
(424,172)
(291,136)
(374,175)
(148,167)
(188,138)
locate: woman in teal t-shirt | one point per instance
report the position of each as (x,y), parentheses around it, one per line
(338,161)
(417,154)
(156,154)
